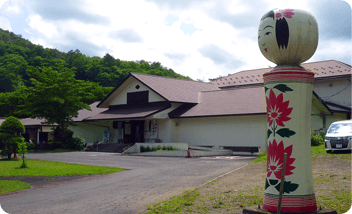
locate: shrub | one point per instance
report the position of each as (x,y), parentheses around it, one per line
(79,143)
(12,125)
(322,134)
(316,139)
(9,136)
(30,146)
(54,144)
(64,139)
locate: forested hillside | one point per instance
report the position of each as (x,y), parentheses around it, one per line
(20,60)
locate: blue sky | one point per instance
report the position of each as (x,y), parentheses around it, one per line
(197,38)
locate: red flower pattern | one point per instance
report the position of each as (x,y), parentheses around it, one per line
(276,158)
(277,109)
(287,13)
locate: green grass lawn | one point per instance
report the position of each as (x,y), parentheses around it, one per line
(11,186)
(50,168)
(43,168)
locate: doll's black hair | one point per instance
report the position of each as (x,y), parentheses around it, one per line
(281,29)
(282,33)
(269,14)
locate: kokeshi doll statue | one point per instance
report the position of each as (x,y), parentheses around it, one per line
(288,37)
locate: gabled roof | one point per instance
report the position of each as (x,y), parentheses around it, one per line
(34,122)
(241,101)
(232,102)
(322,70)
(320,104)
(338,108)
(171,89)
(84,113)
(130,112)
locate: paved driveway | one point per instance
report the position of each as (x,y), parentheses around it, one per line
(150,179)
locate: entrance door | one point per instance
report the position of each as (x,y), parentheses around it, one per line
(43,137)
(134,131)
(138,128)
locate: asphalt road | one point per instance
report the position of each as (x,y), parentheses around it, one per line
(148,180)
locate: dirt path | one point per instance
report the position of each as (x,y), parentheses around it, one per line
(244,188)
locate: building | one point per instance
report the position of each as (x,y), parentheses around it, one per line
(229,112)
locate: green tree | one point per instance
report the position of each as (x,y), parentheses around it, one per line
(12,102)
(108,60)
(9,80)
(10,136)
(96,92)
(22,149)
(12,72)
(55,96)
(80,62)
(93,71)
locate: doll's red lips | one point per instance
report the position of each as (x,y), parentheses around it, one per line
(266,50)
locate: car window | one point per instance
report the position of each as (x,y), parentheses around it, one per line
(340,128)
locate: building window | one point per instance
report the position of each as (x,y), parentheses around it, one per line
(138,97)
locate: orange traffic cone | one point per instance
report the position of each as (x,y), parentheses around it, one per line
(188,153)
(15,155)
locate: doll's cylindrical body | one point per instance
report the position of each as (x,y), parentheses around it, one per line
(288,91)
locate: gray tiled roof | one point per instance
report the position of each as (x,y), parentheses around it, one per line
(84,113)
(34,122)
(241,101)
(323,69)
(175,90)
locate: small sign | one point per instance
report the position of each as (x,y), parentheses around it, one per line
(338,146)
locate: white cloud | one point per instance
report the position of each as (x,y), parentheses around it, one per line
(140,29)
(9,8)
(43,27)
(5,23)
(333,49)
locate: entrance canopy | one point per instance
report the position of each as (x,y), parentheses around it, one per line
(130,111)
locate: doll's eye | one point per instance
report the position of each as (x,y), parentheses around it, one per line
(267,33)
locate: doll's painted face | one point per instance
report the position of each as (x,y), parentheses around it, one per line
(266,36)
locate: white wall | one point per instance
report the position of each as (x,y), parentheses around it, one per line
(165,127)
(317,122)
(223,131)
(329,87)
(121,98)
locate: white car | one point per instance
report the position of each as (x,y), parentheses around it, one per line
(339,136)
